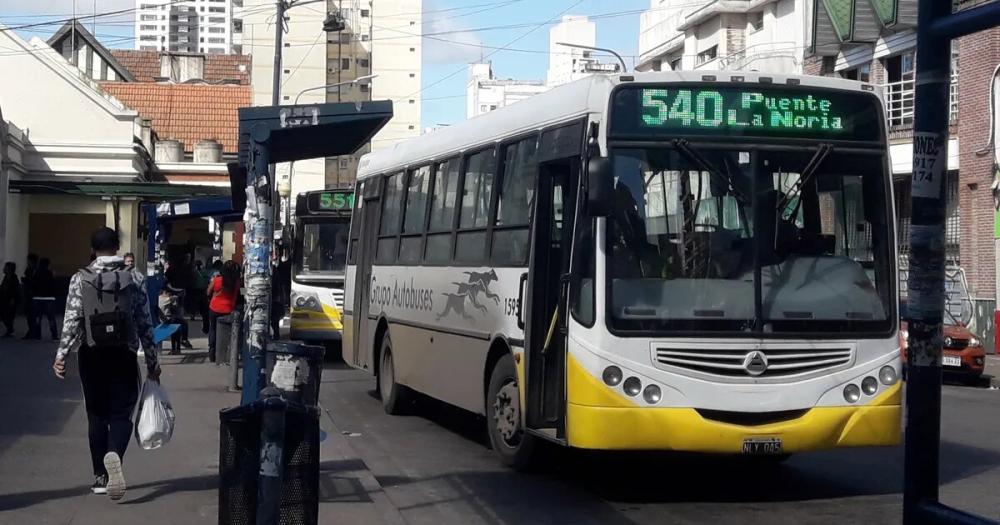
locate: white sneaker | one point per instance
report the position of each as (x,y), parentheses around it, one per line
(116,478)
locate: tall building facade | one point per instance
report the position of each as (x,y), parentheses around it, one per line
(484,92)
(192,26)
(376,37)
(566,63)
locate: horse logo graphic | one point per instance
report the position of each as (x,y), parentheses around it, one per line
(478,283)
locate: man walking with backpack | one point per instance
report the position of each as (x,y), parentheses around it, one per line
(107,316)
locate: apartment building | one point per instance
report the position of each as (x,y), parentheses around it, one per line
(566,63)
(193,26)
(334,46)
(484,92)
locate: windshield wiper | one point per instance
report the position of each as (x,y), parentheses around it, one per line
(692,155)
(807,173)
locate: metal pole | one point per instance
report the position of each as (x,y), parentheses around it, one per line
(925,302)
(606,50)
(279,32)
(258,243)
(235,349)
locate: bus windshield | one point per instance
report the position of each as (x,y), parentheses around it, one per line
(323,249)
(750,239)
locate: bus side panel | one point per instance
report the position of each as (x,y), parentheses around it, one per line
(444,366)
(347,345)
(442,320)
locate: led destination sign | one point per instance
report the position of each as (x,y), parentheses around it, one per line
(683,109)
(330,202)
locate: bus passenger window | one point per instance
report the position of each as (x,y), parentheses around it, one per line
(414,215)
(476,196)
(385,251)
(445,194)
(517,195)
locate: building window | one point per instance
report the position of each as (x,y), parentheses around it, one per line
(412,127)
(148,18)
(365,13)
(148,38)
(756,21)
(675,64)
(345,63)
(216,9)
(363,62)
(147,28)
(412,49)
(216,40)
(217,19)
(708,55)
(345,38)
(237,26)
(493,107)
(345,163)
(413,101)
(364,38)
(365,88)
(413,75)
(483,108)
(216,30)
(861,73)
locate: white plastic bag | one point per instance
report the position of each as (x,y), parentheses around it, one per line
(155,421)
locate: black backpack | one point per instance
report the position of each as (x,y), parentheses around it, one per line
(107,306)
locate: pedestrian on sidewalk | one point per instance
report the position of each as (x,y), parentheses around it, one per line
(10,297)
(29,274)
(107,316)
(43,301)
(172,312)
(222,300)
(202,278)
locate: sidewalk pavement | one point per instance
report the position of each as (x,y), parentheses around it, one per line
(45,472)
(993,369)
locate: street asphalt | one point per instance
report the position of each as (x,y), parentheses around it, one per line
(435,467)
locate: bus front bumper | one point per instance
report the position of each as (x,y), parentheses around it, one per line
(316,326)
(684,429)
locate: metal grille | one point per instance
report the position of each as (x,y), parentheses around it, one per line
(953,232)
(338,298)
(780,362)
(239,452)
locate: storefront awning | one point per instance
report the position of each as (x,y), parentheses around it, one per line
(837,22)
(151,191)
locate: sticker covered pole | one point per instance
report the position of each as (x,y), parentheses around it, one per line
(258,240)
(925,299)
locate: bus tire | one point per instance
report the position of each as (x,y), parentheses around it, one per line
(395,397)
(503,417)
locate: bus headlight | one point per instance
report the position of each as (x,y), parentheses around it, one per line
(869,385)
(612,375)
(888,376)
(306,301)
(852,393)
(632,386)
(652,394)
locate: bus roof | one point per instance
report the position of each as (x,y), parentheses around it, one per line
(586,96)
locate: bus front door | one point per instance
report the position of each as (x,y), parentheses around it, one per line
(544,328)
(363,328)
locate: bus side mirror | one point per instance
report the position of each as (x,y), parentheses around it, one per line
(600,186)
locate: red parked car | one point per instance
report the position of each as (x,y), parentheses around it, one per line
(963,356)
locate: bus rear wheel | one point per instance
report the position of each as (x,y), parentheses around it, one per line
(503,417)
(395,397)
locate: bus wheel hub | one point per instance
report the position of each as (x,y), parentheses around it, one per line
(507,413)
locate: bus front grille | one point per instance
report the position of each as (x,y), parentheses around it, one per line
(755,363)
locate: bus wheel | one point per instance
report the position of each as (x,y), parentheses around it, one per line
(503,417)
(394,395)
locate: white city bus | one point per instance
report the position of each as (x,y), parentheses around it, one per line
(322,219)
(662,261)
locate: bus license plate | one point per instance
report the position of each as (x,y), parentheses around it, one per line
(762,446)
(950,360)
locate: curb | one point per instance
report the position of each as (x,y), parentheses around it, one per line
(386,508)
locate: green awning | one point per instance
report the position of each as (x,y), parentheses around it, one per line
(151,191)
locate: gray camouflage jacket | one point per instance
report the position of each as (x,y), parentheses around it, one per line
(74,332)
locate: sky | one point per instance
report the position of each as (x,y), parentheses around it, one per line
(471,26)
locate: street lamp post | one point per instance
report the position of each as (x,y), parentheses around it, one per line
(604,50)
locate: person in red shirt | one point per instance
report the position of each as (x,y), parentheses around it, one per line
(222,293)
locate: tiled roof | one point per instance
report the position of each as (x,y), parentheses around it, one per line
(145,66)
(187,112)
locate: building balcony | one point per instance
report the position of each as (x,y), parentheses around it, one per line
(899,98)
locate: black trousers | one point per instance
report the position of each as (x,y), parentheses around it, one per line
(39,308)
(213,322)
(110,378)
(7,314)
